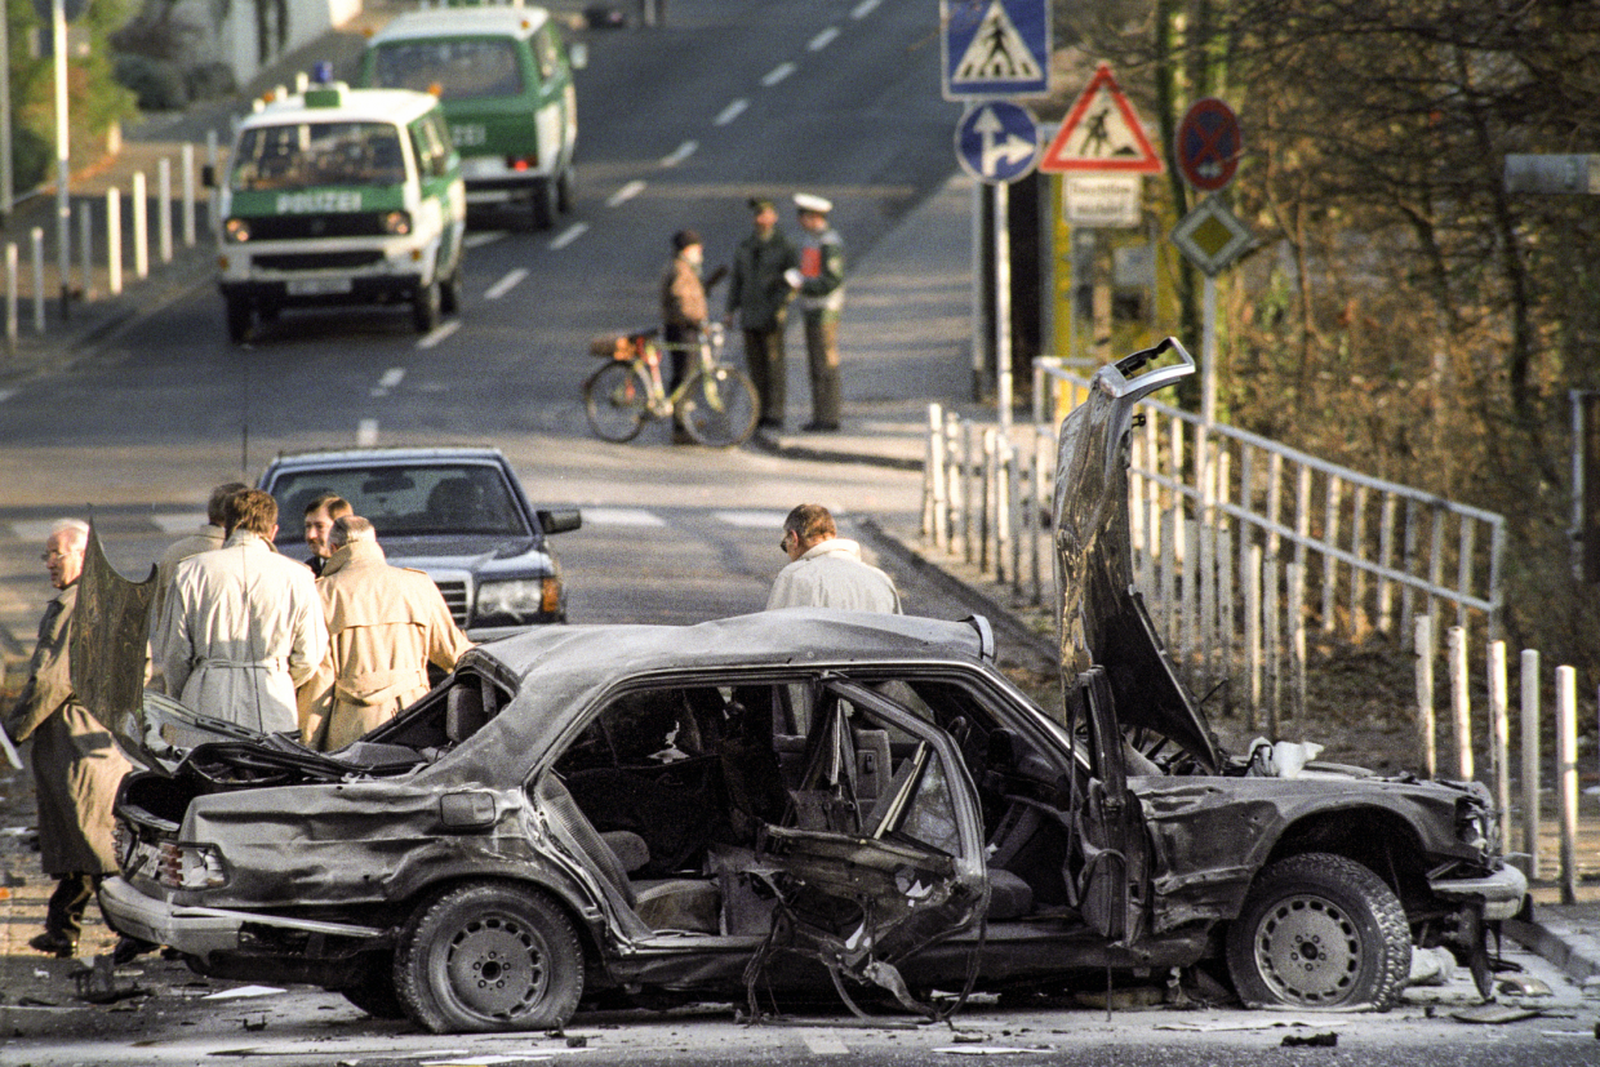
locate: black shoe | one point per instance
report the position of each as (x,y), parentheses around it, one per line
(771,424)
(130,948)
(820,427)
(54,944)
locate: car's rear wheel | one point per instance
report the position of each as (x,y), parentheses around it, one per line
(1320,931)
(450,292)
(545,204)
(489,956)
(566,189)
(615,398)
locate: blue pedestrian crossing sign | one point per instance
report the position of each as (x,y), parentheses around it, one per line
(997,141)
(995,47)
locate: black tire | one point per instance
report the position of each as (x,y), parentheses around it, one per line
(489,956)
(720,408)
(566,189)
(450,293)
(374,993)
(1320,931)
(615,398)
(426,307)
(239,319)
(545,204)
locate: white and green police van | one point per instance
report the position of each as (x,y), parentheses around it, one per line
(342,196)
(504,77)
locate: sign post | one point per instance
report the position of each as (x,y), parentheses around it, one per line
(993,48)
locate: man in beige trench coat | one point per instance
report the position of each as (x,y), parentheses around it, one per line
(76,767)
(385,625)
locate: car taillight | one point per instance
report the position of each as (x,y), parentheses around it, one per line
(190,867)
(521,163)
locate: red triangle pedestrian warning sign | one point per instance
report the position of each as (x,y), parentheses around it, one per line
(1102,132)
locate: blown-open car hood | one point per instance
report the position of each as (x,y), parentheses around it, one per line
(1103,620)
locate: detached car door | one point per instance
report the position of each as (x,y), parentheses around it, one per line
(881,853)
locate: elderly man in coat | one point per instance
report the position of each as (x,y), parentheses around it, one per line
(76,767)
(826,570)
(242,626)
(385,625)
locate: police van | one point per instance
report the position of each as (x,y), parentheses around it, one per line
(342,196)
(504,77)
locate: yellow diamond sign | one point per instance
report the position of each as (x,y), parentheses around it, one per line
(1211,236)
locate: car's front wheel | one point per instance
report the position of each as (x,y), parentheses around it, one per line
(1320,931)
(489,956)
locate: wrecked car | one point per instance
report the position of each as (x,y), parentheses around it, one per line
(801,799)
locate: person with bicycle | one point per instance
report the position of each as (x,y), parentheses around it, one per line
(683,308)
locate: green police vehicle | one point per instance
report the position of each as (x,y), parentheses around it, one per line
(342,196)
(504,77)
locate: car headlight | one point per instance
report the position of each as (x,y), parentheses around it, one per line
(518,600)
(236,230)
(1474,827)
(396,223)
(190,867)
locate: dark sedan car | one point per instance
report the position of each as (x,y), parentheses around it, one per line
(803,798)
(458,514)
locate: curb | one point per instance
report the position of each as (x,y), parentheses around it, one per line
(777,447)
(1557,946)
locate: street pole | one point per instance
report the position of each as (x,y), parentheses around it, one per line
(58,31)
(1002,307)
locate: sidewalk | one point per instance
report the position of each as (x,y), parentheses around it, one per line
(906,341)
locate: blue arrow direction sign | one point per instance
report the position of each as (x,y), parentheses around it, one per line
(997,141)
(995,47)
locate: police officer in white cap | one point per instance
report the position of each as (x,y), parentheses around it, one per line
(819,281)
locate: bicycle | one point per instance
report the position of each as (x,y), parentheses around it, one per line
(716,404)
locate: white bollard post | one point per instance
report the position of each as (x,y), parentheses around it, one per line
(188,196)
(141,228)
(934,512)
(11,296)
(164,205)
(1425,725)
(1530,761)
(86,247)
(37,254)
(1567,778)
(1500,738)
(114,241)
(1461,701)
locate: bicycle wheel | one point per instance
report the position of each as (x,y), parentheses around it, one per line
(616,398)
(720,407)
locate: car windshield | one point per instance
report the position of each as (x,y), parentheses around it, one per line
(305,155)
(406,501)
(461,69)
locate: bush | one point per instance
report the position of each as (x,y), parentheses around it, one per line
(211,80)
(159,84)
(31,158)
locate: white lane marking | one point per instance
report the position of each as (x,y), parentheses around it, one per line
(620,517)
(826,1046)
(482,237)
(437,334)
(863,9)
(777,74)
(681,153)
(731,112)
(823,39)
(174,523)
(367,433)
(7,394)
(626,193)
(751,520)
(569,235)
(506,284)
(393,376)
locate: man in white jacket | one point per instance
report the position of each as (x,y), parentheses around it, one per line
(243,626)
(826,570)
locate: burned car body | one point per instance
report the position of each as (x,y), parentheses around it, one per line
(797,797)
